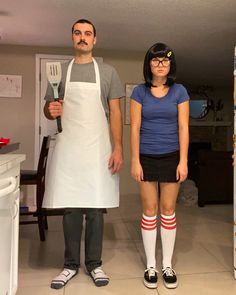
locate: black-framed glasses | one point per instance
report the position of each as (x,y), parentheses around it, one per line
(155,62)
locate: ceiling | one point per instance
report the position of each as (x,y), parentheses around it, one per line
(201,32)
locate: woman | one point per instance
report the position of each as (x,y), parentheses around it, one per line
(159,148)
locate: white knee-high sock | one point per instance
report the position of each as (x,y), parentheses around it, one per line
(168,234)
(149,234)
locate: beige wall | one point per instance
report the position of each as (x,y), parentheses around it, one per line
(17,116)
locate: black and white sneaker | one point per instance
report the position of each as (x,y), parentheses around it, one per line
(169,278)
(150,278)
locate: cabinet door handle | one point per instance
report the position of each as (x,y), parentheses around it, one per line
(7,186)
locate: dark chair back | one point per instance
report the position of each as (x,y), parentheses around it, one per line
(37,177)
(41,170)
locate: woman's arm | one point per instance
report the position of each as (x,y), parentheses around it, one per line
(183,119)
(135,123)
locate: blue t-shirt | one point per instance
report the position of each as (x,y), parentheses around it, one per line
(159,132)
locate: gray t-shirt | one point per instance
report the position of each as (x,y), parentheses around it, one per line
(111,86)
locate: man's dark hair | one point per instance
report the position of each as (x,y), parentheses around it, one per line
(159,50)
(84,21)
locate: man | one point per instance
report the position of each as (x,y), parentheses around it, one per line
(83,174)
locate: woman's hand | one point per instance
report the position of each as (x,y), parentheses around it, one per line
(137,171)
(181,172)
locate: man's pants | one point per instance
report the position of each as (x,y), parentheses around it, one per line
(73,226)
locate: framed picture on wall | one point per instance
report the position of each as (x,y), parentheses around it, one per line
(10,86)
(128,91)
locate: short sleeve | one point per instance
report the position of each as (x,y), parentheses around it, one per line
(116,88)
(49,93)
(182,94)
(138,93)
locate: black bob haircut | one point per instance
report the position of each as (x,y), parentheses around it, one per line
(159,50)
(84,21)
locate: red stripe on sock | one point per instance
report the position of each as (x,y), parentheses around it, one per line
(168,227)
(149,220)
(148,228)
(168,219)
(168,223)
(149,223)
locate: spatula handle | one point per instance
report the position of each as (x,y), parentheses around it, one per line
(59,127)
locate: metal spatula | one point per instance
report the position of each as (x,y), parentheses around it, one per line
(53,70)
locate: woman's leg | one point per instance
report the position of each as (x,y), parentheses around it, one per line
(168,197)
(148,191)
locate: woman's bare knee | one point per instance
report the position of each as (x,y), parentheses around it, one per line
(167,211)
(152,211)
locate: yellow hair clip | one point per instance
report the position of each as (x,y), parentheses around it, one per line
(169,53)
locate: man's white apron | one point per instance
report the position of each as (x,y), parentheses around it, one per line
(78,174)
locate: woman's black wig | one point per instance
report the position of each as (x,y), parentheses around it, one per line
(159,50)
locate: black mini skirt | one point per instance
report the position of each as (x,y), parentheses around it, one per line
(160,168)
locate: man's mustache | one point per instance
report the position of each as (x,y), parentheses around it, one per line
(82,42)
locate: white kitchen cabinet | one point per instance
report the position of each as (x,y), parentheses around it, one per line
(9,222)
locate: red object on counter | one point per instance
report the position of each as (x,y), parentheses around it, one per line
(4,141)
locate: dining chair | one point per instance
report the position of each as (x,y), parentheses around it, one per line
(37,177)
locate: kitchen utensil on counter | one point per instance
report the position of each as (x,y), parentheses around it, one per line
(4,141)
(53,71)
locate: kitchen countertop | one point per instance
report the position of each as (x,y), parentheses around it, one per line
(8,161)
(9,147)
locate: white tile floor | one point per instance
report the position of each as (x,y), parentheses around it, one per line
(203,254)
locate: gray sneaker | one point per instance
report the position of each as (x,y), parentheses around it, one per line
(63,278)
(99,277)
